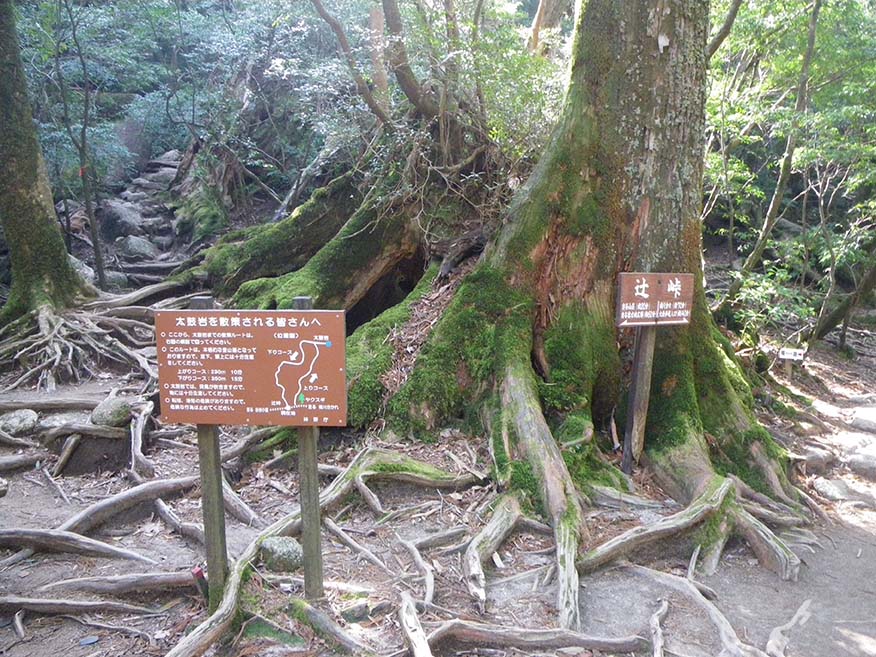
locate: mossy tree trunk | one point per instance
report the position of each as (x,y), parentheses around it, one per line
(528,348)
(41,273)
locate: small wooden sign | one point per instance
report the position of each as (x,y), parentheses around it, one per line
(788,353)
(251,367)
(654,299)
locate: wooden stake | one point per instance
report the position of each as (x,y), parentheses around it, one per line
(211,496)
(640,392)
(308,484)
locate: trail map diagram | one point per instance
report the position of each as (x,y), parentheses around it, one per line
(307,353)
(252,367)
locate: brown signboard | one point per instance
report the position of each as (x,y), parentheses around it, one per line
(272,367)
(654,299)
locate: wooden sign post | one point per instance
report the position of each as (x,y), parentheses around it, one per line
(308,487)
(212,506)
(646,301)
(254,367)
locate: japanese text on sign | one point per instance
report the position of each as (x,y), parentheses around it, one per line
(654,299)
(278,367)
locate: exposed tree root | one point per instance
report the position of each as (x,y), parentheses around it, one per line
(55,540)
(59,606)
(51,434)
(139,462)
(127,629)
(325,627)
(12,441)
(780,636)
(731,644)
(240,509)
(18,461)
(53,346)
(771,551)
(351,543)
(425,569)
(131,583)
(654,624)
(4,487)
(51,403)
(412,630)
(101,511)
(700,509)
(506,513)
(522,416)
(108,301)
(250,440)
(498,636)
(371,463)
(70,445)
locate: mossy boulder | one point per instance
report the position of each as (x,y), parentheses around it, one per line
(281,554)
(112,412)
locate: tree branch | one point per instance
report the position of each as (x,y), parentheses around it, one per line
(361,85)
(722,33)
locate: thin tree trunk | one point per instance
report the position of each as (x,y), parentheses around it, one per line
(772,216)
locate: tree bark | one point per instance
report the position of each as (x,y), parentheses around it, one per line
(41,273)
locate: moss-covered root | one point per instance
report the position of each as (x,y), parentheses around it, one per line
(770,550)
(369,246)
(717,494)
(369,463)
(283,247)
(537,446)
(327,628)
(506,513)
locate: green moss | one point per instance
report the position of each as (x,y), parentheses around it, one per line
(586,468)
(201,213)
(523,479)
(370,354)
(335,269)
(580,349)
(259,629)
(285,438)
(276,249)
(485,321)
(411,467)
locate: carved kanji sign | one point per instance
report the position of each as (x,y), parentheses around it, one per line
(654,299)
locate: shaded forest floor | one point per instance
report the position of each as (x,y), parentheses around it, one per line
(822,421)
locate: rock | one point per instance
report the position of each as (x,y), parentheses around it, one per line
(19,422)
(171,158)
(164,176)
(115,280)
(281,554)
(356,612)
(4,487)
(835,490)
(84,271)
(164,242)
(112,412)
(864,419)
(143,183)
(817,459)
(133,247)
(134,197)
(72,206)
(839,490)
(157,226)
(118,219)
(863,462)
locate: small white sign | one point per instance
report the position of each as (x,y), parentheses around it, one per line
(787,353)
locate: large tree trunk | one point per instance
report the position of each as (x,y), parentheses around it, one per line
(41,273)
(528,345)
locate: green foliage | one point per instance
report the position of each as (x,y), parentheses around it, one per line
(201,213)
